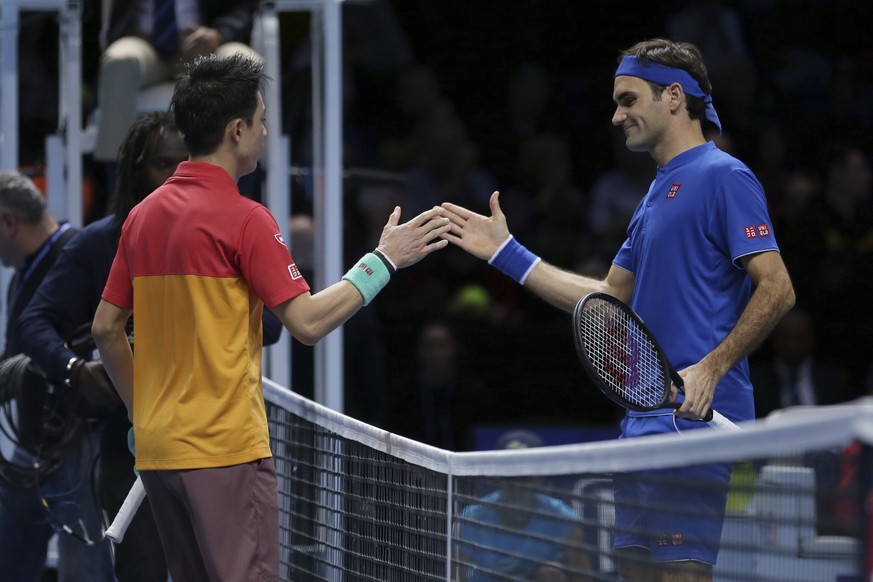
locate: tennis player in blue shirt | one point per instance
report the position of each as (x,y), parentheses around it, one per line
(702,268)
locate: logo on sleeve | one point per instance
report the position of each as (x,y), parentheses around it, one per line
(756,231)
(674,189)
(295,272)
(279,239)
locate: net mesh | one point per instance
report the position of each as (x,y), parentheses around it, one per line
(359,503)
(621,354)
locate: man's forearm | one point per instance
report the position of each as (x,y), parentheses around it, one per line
(772,299)
(117,359)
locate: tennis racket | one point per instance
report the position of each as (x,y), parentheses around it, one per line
(125,514)
(623,358)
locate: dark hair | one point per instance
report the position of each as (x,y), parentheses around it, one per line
(211,93)
(679,55)
(20,196)
(134,152)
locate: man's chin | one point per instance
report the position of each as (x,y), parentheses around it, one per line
(635,145)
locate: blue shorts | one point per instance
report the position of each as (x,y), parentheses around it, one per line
(676,513)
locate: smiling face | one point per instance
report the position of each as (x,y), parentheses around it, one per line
(639,113)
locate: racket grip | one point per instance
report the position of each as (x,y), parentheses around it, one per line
(720,421)
(122,520)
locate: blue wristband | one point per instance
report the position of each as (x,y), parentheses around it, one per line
(369,276)
(514,260)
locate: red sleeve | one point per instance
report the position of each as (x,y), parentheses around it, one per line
(265,262)
(119,286)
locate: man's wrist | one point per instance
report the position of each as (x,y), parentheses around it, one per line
(72,370)
(514,260)
(386,260)
(369,276)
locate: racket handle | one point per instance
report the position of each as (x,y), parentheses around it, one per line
(122,520)
(720,421)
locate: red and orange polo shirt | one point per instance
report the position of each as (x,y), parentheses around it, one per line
(196,263)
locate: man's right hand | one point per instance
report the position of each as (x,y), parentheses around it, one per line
(94,386)
(406,244)
(479,235)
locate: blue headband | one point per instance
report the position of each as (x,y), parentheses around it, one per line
(664,75)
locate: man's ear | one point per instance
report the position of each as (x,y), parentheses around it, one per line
(677,96)
(8,219)
(234,128)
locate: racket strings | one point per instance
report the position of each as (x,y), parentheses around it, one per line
(623,355)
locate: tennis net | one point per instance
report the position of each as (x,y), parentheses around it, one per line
(359,503)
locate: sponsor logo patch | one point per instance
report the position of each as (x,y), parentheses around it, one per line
(763,230)
(751,231)
(279,238)
(674,189)
(671,539)
(295,272)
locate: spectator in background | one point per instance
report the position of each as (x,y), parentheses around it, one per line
(793,376)
(715,29)
(526,107)
(853,89)
(801,186)
(447,166)
(440,401)
(771,162)
(548,206)
(520,532)
(830,254)
(418,99)
(375,49)
(144,42)
(48,479)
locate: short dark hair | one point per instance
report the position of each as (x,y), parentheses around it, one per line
(133,154)
(20,196)
(211,92)
(679,55)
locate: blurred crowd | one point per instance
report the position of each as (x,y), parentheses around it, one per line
(448,101)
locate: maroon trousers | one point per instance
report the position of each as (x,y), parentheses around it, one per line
(218,524)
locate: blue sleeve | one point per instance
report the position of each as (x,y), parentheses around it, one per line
(624,258)
(742,223)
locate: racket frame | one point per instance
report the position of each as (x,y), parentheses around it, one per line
(670,373)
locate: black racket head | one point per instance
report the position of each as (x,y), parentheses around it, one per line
(620,354)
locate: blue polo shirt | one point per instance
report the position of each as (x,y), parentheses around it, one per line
(704,211)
